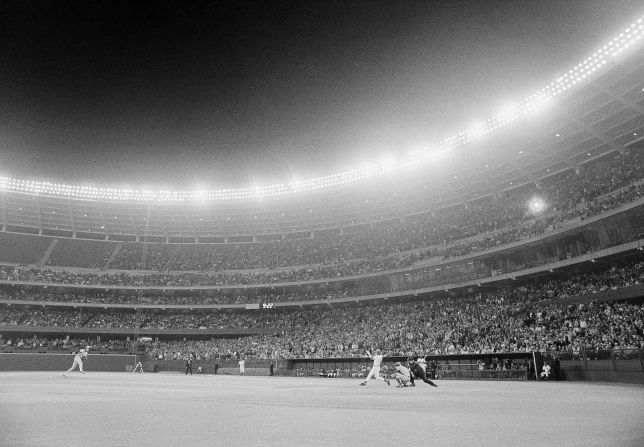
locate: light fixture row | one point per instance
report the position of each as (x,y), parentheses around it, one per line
(584,70)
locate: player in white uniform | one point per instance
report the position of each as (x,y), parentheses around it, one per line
(78,361)
(375,370)
(138,368)
(242,366)
(402,375)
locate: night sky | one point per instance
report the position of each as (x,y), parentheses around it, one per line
(212,94)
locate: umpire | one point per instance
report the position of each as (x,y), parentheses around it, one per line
(417,372)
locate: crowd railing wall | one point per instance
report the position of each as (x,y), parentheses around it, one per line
(625,366)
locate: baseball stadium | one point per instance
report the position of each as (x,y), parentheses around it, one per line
(496,271)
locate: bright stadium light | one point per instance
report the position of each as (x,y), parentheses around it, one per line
(386,160)
(610,53)
(201,194)
(476,131)
(536,205)
(508,112)
(538,104)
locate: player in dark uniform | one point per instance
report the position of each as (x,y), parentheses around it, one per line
(189,365)
(433,370)
(417,372)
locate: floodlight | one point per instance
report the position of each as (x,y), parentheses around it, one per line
(201,194)
(387,161)
(439,155)
(476,130)
(508,113)
(538,103)
(536,205)
(610,52)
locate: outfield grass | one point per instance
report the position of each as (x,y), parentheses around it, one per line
(121,409)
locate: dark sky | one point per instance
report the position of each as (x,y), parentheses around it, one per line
(230,93)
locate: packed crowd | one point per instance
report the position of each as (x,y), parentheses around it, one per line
(579,285)
(168,279)
(526,316)
(65,317)
(100,296)
(35,275)
(386,245)
(602,185)
(436,328)
(66,344)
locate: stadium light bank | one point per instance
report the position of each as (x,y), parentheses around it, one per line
(584,70)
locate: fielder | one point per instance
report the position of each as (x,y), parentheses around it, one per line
(78,361)
(375,369)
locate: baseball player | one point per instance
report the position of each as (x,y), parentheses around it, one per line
(78,361)
(375,369)
(138,368)
(402,375)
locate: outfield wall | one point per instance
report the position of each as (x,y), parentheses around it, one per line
(224,366)
(592,366)
(62,362)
